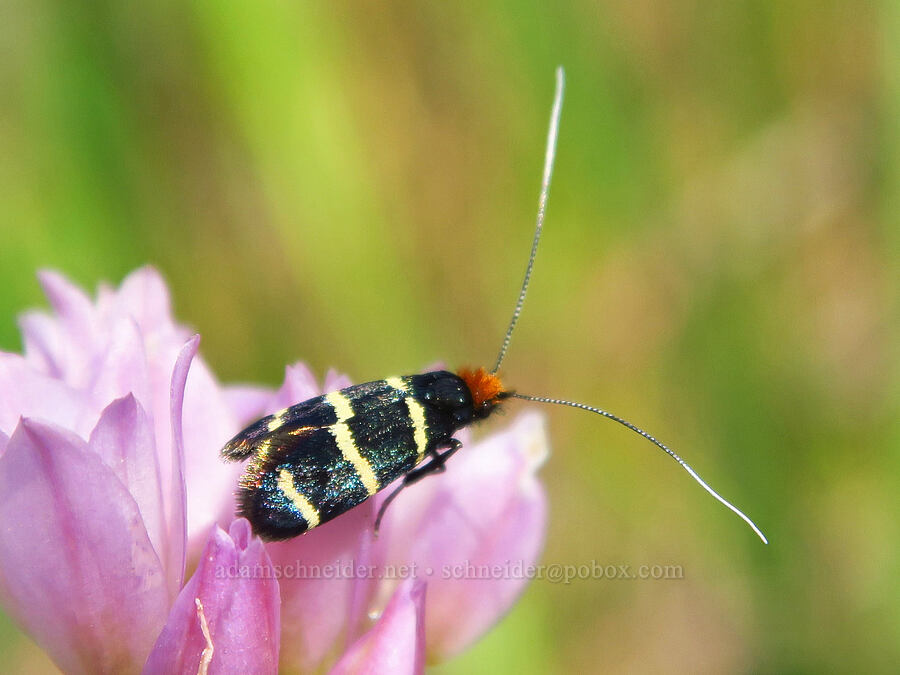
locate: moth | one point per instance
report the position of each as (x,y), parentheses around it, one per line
(316,460)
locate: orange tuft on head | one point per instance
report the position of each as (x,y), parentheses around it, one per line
(485,386)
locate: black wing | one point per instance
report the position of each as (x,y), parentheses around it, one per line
(315,460)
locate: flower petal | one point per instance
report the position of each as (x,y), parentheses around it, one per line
(77,320)
(247,402)
(27,393)
(486,512)
(143,295)
(236,585)
(335,380)
(121,366)
(299,385)
(396,644)
(211,482)
(42,341)
(326,588)
(176,511)
(123,439)
(79,572)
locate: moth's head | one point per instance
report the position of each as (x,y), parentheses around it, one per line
(486,390)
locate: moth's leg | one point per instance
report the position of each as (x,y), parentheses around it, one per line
(434,465)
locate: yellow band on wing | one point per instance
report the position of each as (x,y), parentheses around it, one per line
(307,510)
(347,446)
(346,443)
(416,416)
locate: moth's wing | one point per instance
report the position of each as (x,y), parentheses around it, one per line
(314,412)
(299,476)
(268,494)
(298,479)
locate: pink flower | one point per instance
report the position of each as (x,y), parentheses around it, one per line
(94,504)
(110,479)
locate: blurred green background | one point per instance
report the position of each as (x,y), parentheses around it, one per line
(354,185)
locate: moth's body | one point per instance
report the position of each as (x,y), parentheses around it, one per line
(318,459)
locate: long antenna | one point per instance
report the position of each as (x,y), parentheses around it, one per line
(671,453)
(549,156)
